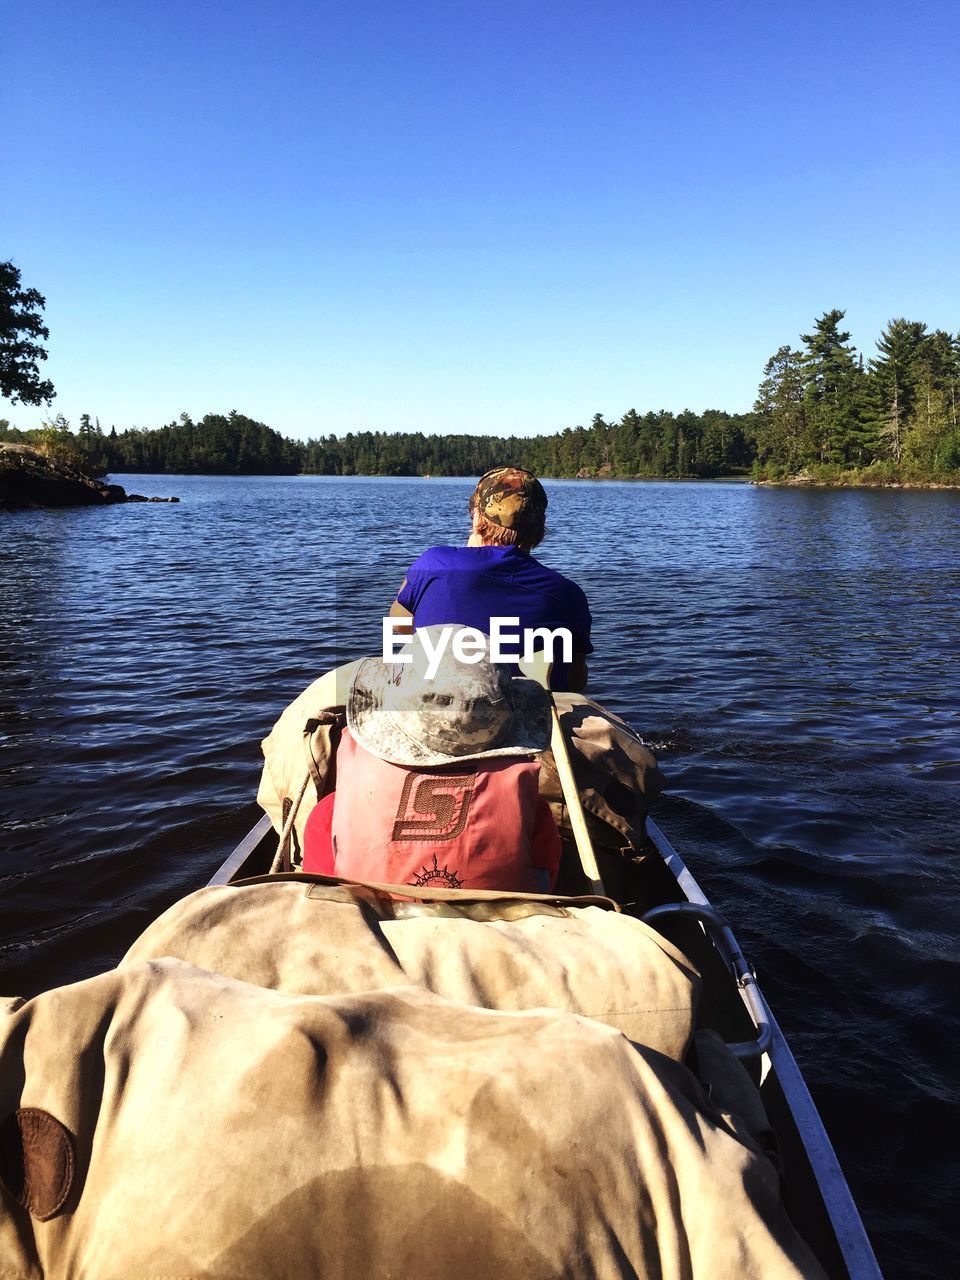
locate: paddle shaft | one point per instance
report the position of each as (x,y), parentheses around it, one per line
(578,821)
(537,668)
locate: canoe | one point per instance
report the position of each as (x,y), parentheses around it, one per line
(663,892)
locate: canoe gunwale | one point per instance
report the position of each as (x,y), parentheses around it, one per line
(743,975)
(848,1228)
(248,845)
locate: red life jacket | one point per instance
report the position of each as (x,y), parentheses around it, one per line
(464,825)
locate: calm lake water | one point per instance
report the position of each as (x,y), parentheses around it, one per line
(792,654)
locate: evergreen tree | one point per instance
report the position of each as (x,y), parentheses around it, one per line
(896,373)
(21,332)
(863,443)
(624,452)
(781,423)
(933,417)
(832,390)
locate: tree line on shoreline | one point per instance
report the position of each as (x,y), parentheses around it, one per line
(896,416)
(822,412)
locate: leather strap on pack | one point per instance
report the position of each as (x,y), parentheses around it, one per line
(331,723)
(326,727)
(424,894)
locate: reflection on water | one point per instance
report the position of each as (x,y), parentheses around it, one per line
(791,653)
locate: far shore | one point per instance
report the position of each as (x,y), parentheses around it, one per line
(792,482)
(853,484)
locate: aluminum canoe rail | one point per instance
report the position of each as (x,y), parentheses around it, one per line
(855,1247)
(241,853)
(744,976)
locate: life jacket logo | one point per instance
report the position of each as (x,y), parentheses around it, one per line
(436,877)
(433,806)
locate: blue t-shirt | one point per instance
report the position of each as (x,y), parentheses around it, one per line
(471,585)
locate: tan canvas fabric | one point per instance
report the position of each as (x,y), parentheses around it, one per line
(617,776)
(222,1131)
(292,749)
(587,961)
(731,1089)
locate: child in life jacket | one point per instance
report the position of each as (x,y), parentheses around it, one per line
(437,781)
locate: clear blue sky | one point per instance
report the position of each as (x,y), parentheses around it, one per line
(485,217)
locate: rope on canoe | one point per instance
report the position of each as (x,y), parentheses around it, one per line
(281,859)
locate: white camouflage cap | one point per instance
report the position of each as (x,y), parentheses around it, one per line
(467,711)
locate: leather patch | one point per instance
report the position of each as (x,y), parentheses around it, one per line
(434,806)
(36,1161)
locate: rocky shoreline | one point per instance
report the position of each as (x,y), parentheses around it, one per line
(30,477)
(804,480)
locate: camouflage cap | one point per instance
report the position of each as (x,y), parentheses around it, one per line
(466,711)
(512,498)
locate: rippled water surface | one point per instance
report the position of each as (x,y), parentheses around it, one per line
(793,654)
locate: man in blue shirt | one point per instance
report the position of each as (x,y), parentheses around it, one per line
(495,576)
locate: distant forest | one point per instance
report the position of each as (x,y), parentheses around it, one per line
(822,412)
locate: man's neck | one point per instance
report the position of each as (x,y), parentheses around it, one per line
(476,541)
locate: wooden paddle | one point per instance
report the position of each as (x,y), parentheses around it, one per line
(539,669)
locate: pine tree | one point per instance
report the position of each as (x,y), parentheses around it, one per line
(625,460)
(864,445)
(22,332)
(934,410)
(780,407)
(896,373)
(832,390)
